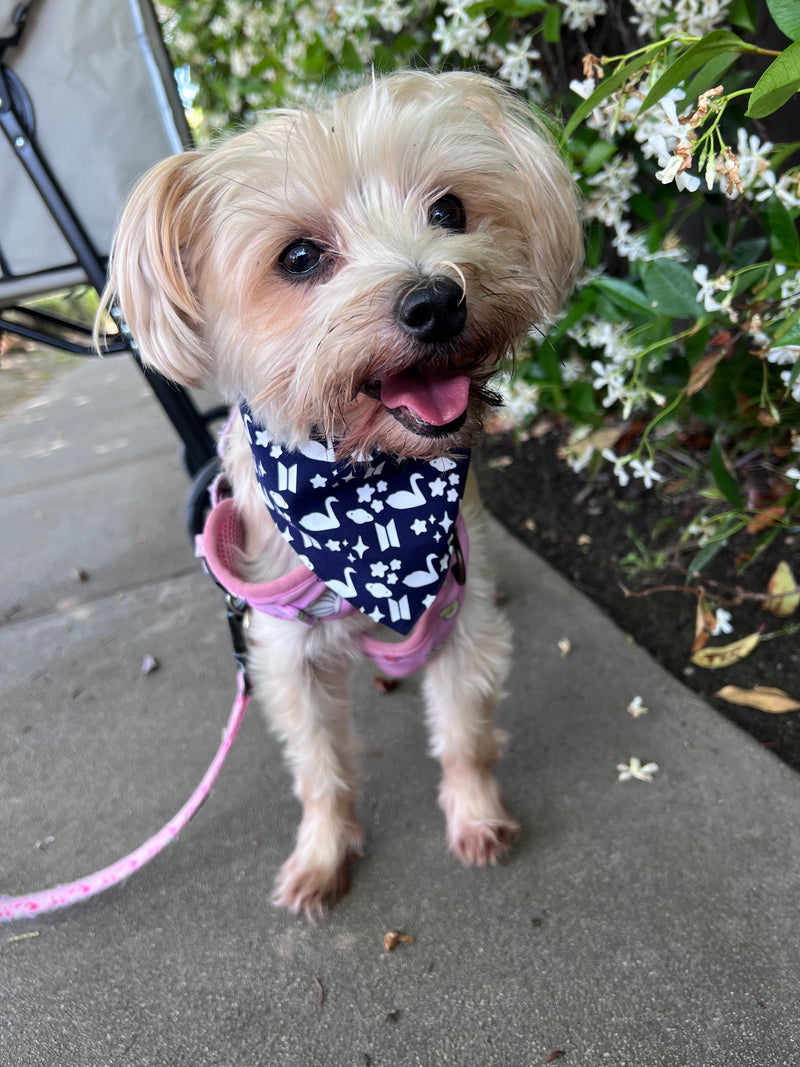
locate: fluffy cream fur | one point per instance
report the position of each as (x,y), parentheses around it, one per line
(198,272)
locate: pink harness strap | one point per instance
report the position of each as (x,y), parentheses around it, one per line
(300,595)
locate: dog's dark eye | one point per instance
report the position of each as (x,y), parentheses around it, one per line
(301,258)
(448,213)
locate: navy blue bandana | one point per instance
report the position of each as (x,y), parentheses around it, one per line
(380,533)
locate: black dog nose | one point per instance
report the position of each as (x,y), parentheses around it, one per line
(435,311)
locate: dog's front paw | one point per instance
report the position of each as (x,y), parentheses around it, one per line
(311,890)
(480,830)
(317,873)
(479,844)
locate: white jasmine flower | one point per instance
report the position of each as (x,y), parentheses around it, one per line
(581,14)
(659,130)
(610,379)
(785,376)
(754,169)
(723,624)
(637,708)
(520,399)
(787,190)
(671,171)
(619,462)
(516,62)
(462,33)
(783,354)
(613,187)
(647,12)
(634,769)
(697,17)
(710,286)
(645,470)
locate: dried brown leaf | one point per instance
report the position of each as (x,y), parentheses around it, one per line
(784,594)
(394,938)
(705,623)
(765,518)
(703,371)
(762,697)
(725,655)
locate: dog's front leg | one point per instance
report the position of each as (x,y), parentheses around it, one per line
(301,681)
(463,686)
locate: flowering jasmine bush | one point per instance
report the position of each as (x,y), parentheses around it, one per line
(679,354)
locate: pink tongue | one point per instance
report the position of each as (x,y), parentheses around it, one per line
(435,398)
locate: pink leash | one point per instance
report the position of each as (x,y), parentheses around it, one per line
(33,904)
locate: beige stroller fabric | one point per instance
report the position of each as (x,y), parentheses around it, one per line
(106,108)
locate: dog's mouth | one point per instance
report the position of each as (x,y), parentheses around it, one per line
(429,402)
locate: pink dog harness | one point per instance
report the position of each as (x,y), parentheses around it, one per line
(301,596)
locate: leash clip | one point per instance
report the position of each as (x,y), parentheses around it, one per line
(238,614)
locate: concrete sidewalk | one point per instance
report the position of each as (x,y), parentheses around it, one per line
(639,924)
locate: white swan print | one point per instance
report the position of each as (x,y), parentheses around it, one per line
(405,498)
(319,520)
(426,577)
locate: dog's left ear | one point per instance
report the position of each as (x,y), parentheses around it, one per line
(549,208)
(151,271)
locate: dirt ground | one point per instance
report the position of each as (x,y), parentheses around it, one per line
(602,537)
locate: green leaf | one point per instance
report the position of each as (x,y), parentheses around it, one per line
(778,84)
(718,541)
(709,47)
(787,332)
(623,294)
(710,75)
(783,240)
(786,15)
(723,473)
(606,87)
(600,152)
(551,27)
(671,289)
(744,14)
(581,399)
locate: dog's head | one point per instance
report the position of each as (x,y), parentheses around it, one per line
(358,271)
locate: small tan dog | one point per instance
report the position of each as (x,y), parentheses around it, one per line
(355,275)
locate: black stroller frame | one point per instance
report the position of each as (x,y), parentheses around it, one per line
(18,124)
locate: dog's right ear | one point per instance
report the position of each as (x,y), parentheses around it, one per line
(151,275)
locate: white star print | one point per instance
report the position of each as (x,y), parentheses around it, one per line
(446,523)
(437,487)
(452,495)
(360,547)
(333,546)
(419,526)
(376,615)
(318,481)
(378,570)
(275,451)
(365,494)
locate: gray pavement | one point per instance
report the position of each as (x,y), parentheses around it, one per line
(639,924)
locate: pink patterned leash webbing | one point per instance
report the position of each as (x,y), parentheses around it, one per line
(31,905)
